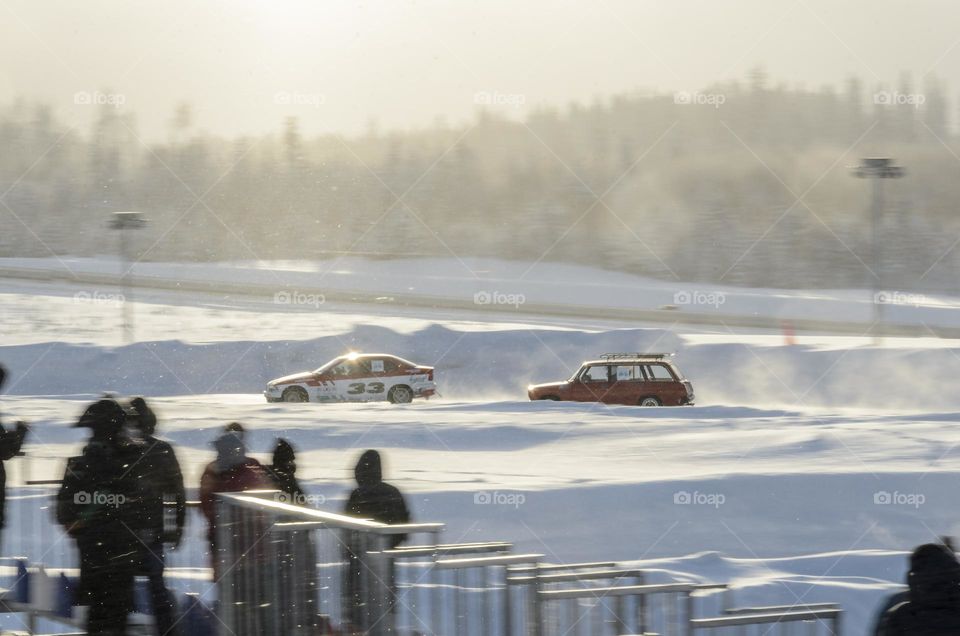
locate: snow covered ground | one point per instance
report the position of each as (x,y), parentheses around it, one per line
(515,287)
(804,473)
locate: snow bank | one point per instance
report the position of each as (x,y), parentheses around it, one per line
(475,365)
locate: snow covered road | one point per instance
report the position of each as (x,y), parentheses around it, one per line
(804,472)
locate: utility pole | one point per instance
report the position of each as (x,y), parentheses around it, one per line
(877,169)
(124,221)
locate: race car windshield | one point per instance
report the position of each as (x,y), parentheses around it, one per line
(331,364)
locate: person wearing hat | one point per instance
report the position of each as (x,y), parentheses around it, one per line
(161,470)
(10,443)
(232,471)
(101,505)
(932,606)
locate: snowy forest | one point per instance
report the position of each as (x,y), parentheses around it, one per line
(700,187)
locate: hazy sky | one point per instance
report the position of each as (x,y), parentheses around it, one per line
(338,65)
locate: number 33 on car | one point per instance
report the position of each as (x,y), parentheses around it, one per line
(356,377)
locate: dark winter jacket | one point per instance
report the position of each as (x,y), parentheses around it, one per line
(933,608)
(283,472)
(375,499)
(103,488)
(161,470)
(232,471)
(10,443)
(101,504)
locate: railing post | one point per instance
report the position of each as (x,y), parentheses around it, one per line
(620,611)
(642,613)
(537,604)
(506,606)
(225,590)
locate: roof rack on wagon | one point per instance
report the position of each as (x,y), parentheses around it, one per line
(621,356)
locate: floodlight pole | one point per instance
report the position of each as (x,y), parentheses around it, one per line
(876,169)
(123,221)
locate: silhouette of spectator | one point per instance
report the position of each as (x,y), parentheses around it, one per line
(161,469)
(283,472)
(101,505)
(932,607)
(10,443)
(376,500)
(231,471)
(236,427)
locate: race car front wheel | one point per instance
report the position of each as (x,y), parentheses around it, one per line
(400,395)
(295,394)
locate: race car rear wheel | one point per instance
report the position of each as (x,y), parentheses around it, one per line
(649,401)
(295,394)
(400,395)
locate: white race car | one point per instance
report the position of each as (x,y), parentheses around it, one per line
(356,377)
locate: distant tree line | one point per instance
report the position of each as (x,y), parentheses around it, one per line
(692,187)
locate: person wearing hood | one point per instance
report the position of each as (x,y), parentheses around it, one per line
(283,472)
(101,504)
(932,607)
(167,499)
(231,471)
(10,444)
(376,500)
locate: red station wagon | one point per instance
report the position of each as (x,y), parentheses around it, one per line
(645,379)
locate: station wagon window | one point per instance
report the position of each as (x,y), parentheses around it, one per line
(629,373)
(658,372)
(596,373)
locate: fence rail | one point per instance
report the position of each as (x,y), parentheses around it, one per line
(292,570)
(270,582)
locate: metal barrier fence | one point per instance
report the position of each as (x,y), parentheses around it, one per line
(664,608)
(819,621)
(265,567)
(269,583)
(280,568)
(425,592)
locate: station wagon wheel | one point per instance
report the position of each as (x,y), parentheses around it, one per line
(649,401)
(550,398)
(400,395)
(295,394)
